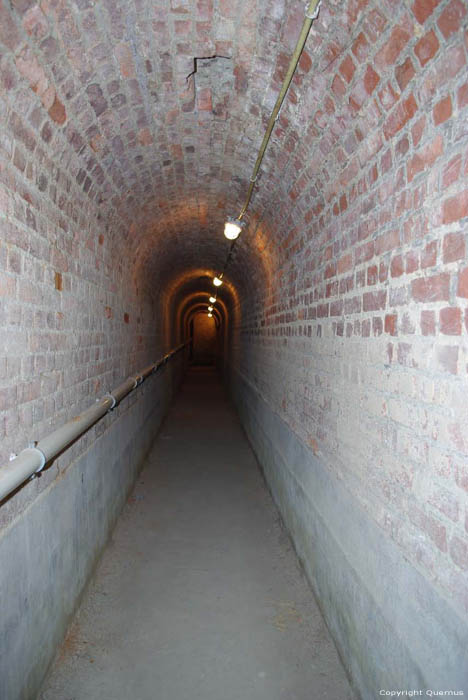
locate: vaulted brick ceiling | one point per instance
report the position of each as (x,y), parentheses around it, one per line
(157,110)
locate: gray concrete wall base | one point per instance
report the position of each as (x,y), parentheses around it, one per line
(48,554)
(392,628)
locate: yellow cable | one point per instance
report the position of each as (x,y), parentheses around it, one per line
(311,14)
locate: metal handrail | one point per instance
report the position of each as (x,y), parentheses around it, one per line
(34,458)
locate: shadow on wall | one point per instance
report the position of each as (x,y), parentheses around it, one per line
(203,331)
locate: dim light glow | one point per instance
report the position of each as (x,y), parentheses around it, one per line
(212,300)
(217,281)
(232,229)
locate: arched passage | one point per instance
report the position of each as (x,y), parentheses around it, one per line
(204,338)
(129,131)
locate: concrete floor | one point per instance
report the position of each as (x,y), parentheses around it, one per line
(199,595)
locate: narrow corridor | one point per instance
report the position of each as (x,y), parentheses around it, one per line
(199,593)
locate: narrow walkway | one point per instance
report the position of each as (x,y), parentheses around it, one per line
(199,596)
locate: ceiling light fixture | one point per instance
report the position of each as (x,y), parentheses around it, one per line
(212,300)
(217,281)
(232,229)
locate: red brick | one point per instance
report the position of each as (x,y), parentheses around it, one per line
(7,285)
(451,18)
(388,96)
(392,48)
(422,9)
(57,112)
(345,263)
(389,241)
(445,502)
(372,275)
(454,247)
(336,307)
(417,130)
(360,48)
(305,61)
(383,271)
(35,23)
(374,24)
(124,56)
(462,289)
(432,527)
(425,157)
(442,110)
(462,96)
(429,255)
(353,305)
(204,100)
(426,48)
(450,321)
(459,552)
(145,137)
(374,301)
(396,267)
(455,208)
(404,73)
(371,80)
(347,68)
(338,86)
(401,114)
(435,288)
(451,172)
(427,322)
(412,262)
(391,324)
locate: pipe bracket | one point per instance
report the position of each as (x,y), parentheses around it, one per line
(316,13)
(114,402)
(33,448)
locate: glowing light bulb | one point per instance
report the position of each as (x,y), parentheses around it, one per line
(210,315)
(217,282)
(210,308)
(212,300)
(232,228)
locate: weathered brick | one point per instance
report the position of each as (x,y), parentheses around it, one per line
(459,552)
(455,208)
(427,47)
(374,301)
(442,110)
(423,9)
(451,18)
(450,321)
(454,247)
(401,114)
(435,288)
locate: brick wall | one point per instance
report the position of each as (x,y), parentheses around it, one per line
(360,342)
(121,155)
(73,321)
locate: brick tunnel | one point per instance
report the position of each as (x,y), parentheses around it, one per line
(307,445)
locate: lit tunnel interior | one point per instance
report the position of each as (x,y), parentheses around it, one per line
(129,132)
